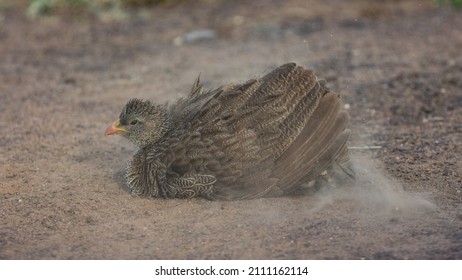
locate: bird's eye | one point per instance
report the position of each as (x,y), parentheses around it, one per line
(133,122)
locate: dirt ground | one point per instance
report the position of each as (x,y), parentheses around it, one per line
(63,80)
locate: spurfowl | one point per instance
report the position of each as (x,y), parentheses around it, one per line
(265,137)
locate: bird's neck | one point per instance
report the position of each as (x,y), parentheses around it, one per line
(158,129)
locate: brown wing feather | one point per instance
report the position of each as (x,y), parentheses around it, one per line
(262,137)
(321,143)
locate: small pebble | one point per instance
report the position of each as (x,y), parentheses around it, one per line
(194,36)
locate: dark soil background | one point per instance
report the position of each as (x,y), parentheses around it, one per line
(64,79)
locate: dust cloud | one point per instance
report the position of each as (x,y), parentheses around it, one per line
(373,192)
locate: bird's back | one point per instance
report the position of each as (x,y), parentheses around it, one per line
(264,137)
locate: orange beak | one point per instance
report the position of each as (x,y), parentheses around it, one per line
(114,128)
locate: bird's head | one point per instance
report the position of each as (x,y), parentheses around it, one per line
(141,121)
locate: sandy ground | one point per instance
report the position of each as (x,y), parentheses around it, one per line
(397,64)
